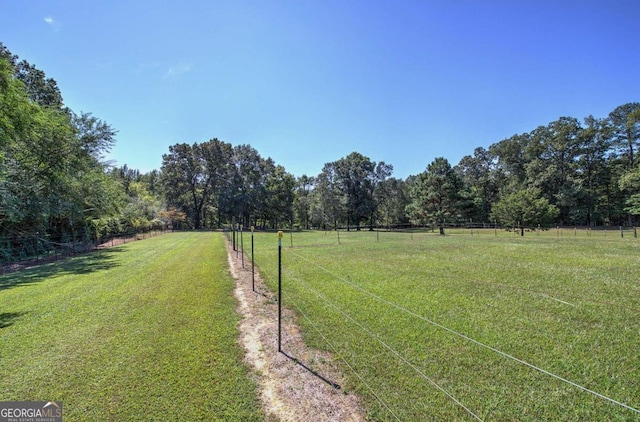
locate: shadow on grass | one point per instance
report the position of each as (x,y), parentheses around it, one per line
(311,371)
(266,296)
(82,264)
(7,318)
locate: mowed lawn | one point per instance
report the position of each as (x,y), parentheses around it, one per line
(142,331)
(461,327)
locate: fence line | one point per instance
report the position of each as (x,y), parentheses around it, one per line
(463,336)
(335,350)
(315,327)
(391,349)
(496,230)
(263,270)
(18,249)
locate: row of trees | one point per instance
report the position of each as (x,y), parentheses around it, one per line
(584,170)
(567,172)
(213,183)
(54,181)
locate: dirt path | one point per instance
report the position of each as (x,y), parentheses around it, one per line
(288,390)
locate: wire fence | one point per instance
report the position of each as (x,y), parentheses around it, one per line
(382,343)
(21,250)
(485,228)
(352,363)
(306,298)
(445,328)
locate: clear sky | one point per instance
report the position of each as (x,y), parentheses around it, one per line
(307,82)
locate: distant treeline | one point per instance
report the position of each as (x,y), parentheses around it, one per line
(564,173)
(54,180)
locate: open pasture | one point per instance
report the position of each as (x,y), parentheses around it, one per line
(142,331)
(488,327)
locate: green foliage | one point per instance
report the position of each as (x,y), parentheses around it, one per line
(49,155)
(38,149)
(52,178)
(185,182)
(353,175)
(348,191)
(630,182)
(302,201)
(328,203)
(279,195)
(144,331)
(524,209)
(94,136)
(436,195)
(214,182)
(481,183)
(575,166)
(392,196)
(625,124)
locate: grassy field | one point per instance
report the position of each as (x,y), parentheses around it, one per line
(142,331)
(490,326)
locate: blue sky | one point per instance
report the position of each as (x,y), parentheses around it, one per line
(308,82)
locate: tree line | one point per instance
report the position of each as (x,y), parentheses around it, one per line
(213,183)
(568,172)
(54,179)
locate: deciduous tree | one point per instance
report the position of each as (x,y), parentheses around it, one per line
(524,209)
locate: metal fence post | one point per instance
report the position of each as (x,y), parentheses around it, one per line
(233,232)
(253,278)
(280,291)
(242,247)
(237,242)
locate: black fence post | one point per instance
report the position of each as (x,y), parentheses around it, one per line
(233,232)
(280,291)
(253,278)
(242,247)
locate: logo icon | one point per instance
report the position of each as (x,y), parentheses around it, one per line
(32,411)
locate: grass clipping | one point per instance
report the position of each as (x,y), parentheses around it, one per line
(295,385)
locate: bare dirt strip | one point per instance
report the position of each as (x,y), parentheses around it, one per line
(299,384)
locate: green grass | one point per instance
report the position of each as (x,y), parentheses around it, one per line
(143,331)
(569,305)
